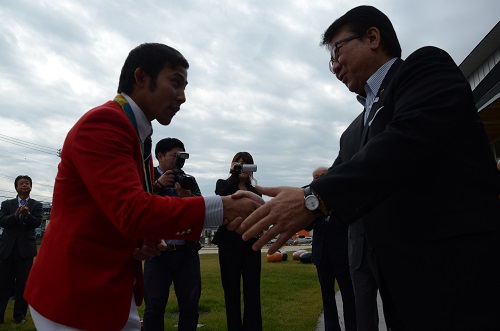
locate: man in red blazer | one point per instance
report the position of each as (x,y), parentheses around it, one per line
(85,276)
(421,179)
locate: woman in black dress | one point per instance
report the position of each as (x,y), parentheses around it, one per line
(237,259)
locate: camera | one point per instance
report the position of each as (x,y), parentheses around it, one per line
(186,181)
(239,168)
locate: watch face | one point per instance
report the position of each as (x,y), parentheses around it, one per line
(312,202)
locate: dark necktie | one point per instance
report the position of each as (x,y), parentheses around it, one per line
(147,160)
(147,148)
(23,202)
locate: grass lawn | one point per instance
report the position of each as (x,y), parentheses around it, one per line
(290,297)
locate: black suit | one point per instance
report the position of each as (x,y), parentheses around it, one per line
(426,188)
(181,267)
(361,260)
(17,250)
(329,254)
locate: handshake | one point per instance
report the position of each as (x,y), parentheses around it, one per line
(236,208)
(246,213)
(239,206)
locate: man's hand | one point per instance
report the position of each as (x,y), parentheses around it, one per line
(283,215)
(149,249)
(238,206)
(22,210)
(182,192)
(167,178)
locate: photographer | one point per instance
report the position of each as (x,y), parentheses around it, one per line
(236,258)
(170,179)
(180,262)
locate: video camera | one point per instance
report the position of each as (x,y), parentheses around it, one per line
(239,168)
(186,181)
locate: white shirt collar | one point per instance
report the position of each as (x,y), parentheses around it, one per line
(143,125)
(19,200)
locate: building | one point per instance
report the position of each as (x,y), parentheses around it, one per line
(482,70)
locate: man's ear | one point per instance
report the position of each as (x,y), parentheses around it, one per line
(140,77)
(374,37)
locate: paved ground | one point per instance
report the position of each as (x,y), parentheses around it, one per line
(321,326)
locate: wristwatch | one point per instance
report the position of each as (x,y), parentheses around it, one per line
(313,203)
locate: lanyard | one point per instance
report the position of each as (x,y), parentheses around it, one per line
(130,115)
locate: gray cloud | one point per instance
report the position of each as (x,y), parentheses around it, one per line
(258,79)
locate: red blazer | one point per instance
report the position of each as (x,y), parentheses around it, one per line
(84,274)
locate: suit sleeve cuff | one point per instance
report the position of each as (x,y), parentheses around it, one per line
(214,212)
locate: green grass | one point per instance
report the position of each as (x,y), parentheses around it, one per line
(290,298)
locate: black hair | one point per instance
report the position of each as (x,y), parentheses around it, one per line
(167,144)
(151,58)
(18,178)
(247,159)
(358,20)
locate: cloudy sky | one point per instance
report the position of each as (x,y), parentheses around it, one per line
(258,79)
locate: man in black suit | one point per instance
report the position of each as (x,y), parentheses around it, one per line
(329,254)
(361,259)
(19,218)
(179,263)
(423,181)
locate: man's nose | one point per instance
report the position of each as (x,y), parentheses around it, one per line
(181,96)
(336,67)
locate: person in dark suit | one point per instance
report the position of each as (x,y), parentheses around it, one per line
(19,218)
(423,181)
(179,262)
(361,259)
(329,254)
(237,259)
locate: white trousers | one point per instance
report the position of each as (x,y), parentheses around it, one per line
(44,324)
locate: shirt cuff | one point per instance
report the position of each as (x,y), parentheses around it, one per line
(214,211)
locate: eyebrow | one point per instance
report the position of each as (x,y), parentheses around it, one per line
(181,76)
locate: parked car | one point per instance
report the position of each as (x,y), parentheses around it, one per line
(289,242)
(302,240)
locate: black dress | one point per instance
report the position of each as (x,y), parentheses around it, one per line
(237,260)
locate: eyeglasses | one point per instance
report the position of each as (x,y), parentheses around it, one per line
(337,46)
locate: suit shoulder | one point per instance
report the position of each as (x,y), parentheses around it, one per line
(429,67)
(35,202)
(429,52)
(221,182)
(219,185)
(109,115)
(8,201)
(109,108)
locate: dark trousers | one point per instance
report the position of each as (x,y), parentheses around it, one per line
(237,263)
(328,271)
(365,287)
(181,267)
(14,272)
